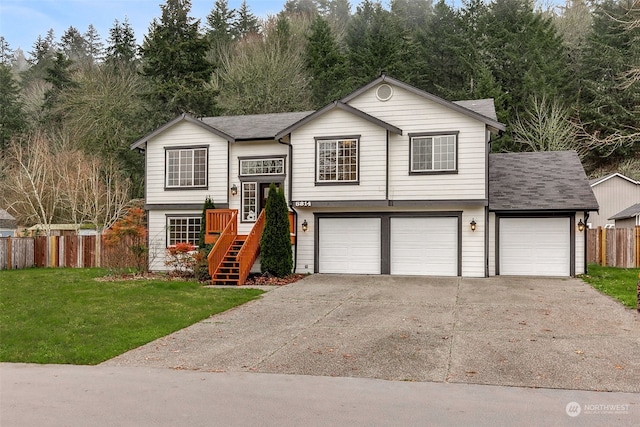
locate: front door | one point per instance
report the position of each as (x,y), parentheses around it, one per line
(264,193)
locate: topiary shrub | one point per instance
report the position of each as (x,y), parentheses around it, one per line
(276,257)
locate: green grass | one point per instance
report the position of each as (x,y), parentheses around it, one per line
(66,316)
(620,283)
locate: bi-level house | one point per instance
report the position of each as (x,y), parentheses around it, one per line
(388,180)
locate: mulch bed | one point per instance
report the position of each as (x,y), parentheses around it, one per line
(268,280)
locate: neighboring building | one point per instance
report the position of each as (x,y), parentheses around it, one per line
(628,218)
(614,193)
(388,180)
(8,224)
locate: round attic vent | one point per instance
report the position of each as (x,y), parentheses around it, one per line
(384,92)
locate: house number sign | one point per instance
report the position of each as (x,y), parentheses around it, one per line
(302,204)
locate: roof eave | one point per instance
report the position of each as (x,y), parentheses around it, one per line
(183,117)
(494,125)
(345,107)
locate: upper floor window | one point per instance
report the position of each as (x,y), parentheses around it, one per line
(271,166)
(337,160)
(186,167)
(433,152)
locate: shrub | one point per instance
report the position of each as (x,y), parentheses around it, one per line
(276,257)
(130,232)
(208,204)
(182,259)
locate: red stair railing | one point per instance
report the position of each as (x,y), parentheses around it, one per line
(250,249)
(227,237)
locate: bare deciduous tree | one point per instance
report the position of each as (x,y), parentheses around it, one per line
(545,127)
(29,186)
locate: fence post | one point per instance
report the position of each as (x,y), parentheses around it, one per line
(9,254)
(603,247)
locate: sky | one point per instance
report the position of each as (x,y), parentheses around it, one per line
(22,21)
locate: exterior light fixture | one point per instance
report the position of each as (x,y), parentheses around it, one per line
(305,226)
(473,224)
(581,226)
(234,190)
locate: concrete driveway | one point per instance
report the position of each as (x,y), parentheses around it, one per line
(530,332)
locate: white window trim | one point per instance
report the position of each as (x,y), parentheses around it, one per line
(246,215)
(433,136)
(336,140)
(279,159)
(188,218)
(192,165)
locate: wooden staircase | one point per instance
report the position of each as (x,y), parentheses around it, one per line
(228,272)
(233,255)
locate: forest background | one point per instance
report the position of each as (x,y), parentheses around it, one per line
(562,77)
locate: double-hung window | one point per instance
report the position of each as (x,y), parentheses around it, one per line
(183,229)
(433,152)
(337,160)
(186,167)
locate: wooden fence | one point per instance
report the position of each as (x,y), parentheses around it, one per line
(62,251)
(614,247)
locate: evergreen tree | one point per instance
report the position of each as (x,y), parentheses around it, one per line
(608,102)
(376,43)
(173,59)
(59,75)
(325,64)
(220,24)
(525,55)
(122,44)
(414,14)
(11,113)
(208,204)
(276,257)
(246,22)
(6,54)
(74,45)
(94,47)
(443,54)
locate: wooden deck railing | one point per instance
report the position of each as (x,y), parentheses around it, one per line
(250,249)
(227,236)
(216,221)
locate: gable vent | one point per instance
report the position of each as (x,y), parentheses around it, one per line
(384,92)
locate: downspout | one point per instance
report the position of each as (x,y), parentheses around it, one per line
(295,213)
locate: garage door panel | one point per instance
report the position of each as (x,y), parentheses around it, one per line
(424,246)
(535,246)
(349,245)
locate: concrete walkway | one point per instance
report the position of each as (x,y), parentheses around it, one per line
(62,395)
(527,332)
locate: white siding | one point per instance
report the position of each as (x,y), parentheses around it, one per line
(157,226)
(186,134)
(473,256)
(580,239)
(372,158)
(412,114)
(492,244)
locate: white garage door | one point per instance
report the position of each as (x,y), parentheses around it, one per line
(349,245)
(535,246)
(424,246)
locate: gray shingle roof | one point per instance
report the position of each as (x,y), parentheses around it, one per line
(6,220)
(256,126)
(480,106)
(630,212)
(551,180)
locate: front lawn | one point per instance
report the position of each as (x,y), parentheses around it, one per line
(620,283)
(66,316)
